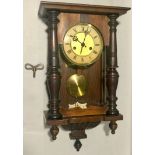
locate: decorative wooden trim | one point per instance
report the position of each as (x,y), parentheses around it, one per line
(80,8)
(54,131)
(77,134)
(53,74)
(113,126)
(77,144)
(84,119)
(112,74)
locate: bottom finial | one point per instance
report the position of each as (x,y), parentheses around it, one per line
(113,126)
(77,144)
(54,131)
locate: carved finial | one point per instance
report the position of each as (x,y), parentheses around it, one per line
(54,131)
(113,126)
(77,144)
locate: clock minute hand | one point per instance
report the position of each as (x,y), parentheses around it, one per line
(86,33)
(81,49)
(83,44)
(85,37)
(75,38)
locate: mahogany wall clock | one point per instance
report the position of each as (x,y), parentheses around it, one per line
(82,59)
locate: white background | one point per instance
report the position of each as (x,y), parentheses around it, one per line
(36,138)
(12,70)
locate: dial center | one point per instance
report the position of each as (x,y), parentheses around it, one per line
(82,42)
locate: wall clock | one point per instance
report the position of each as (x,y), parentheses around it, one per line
(82,59)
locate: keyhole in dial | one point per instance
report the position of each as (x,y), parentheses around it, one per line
(74,48)
(90,48)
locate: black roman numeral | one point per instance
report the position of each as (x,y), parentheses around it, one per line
(74,57)
(97,44)
(69,51)
(88,30)
(75,30)
(95,37)
(83,28)
(94,52)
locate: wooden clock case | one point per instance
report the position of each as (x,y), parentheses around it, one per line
(102,75)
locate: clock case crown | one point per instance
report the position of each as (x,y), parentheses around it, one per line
(102,75)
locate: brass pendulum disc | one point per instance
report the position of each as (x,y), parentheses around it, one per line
(77,85)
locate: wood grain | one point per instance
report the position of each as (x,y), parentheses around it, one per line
(79,8)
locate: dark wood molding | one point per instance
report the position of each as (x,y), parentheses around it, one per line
(53,74)
(111,73)
(84,119)
(80,8)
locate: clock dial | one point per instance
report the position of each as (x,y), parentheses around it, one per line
(83,44)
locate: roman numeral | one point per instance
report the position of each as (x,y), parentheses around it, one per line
(88,30)
(69,51)
(82,59)
(94,52)
(74,57)
(71,35)
(97,44)
(95,37)
(83,28)
(75,30)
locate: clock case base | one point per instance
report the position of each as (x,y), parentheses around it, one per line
(77,125)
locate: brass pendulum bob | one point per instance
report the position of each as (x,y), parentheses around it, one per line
(76,87)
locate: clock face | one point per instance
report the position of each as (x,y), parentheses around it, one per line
(83,44)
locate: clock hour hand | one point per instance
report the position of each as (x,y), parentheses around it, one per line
(75,38)
(82,45)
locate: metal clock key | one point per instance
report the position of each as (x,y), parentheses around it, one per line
(29,66)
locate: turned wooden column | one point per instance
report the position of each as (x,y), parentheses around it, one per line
(111,72)
(53,74)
